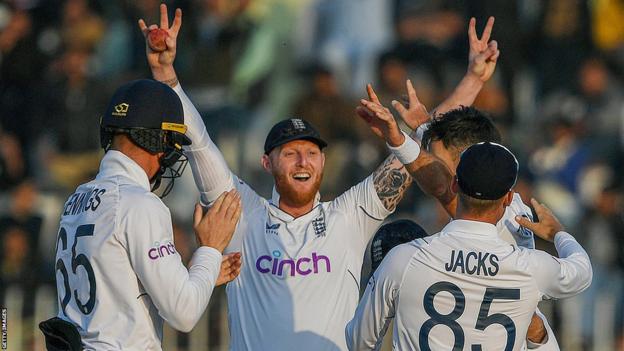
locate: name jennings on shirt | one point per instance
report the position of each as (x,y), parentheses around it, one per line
(82,201)
(479,263)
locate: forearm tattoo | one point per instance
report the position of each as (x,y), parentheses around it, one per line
(391,179)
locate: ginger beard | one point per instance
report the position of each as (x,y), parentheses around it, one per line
(297,169)
(297,194)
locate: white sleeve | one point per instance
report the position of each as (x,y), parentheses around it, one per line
(363,205)
(565,276)
(180,296)
(550,344)
(377,307)
(210,171)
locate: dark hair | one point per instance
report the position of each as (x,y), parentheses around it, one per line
(460,128)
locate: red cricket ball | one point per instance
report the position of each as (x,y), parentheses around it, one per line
(156,39)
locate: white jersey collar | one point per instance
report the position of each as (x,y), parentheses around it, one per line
(471,227)
(117,163)
(275,197)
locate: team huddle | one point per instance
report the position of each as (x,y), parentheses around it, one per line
(292,263)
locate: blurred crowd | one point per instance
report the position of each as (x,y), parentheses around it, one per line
(557,96)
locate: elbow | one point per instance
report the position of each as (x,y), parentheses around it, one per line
(586,274)
(183,324)
(583,277)
(589,275)
(186,328)
(186,317)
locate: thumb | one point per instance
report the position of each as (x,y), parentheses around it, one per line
(525,222)
(363,113)
(171,43)
(399,108)
(197,215)
(480,59)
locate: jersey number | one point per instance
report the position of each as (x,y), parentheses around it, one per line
(77,260)
(450,320)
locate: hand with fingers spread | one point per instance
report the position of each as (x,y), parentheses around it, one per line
(548,224)
(216,227)
(230,268)
(380,119)
(483,52)
(415,114)
(161,59)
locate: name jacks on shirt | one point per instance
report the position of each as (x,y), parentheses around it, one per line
(473,263)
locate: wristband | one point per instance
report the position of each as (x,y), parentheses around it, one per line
(407,152)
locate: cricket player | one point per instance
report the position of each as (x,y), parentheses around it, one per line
(118,274)
(465,287)
(444,138)
(299,284)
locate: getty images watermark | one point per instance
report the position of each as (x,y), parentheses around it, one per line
(4,328)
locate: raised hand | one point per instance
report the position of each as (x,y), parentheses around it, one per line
(161,62)
(548,224)
(379,118)
(230,268)
(216,227)
(416,113)
(483,52)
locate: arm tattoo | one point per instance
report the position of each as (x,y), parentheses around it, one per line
(391,179)
(434,178)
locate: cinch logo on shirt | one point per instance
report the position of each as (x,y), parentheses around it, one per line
(276,265)
(161,250)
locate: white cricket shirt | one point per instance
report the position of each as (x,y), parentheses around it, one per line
(118,274)
(299,283)
(464,288)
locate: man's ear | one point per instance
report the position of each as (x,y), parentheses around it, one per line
(266,163)
(508,198)
(454,185)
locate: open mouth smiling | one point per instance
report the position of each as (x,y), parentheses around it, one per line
(302,176)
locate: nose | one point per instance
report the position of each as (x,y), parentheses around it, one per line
(302,159)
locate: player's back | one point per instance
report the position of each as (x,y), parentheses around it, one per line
(463,291)
(97,287)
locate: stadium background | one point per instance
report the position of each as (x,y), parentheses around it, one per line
(557,95)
